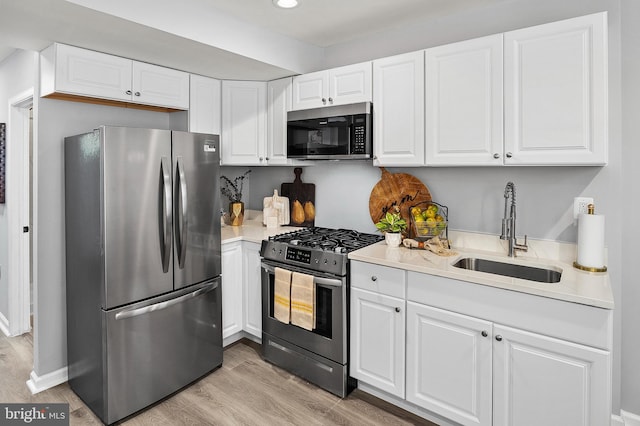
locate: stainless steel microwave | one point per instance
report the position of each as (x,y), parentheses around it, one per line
(330,133)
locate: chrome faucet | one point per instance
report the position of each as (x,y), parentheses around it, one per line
(509,221)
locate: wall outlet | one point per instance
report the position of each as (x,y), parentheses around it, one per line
(580,205)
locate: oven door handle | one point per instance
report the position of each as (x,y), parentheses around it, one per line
(316,280)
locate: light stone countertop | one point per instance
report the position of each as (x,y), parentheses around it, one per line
(576,286)
(252,229)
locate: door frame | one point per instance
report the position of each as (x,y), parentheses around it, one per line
(17,202)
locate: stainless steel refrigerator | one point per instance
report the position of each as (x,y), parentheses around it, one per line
(142,227)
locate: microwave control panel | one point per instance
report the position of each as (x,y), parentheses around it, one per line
(359,146)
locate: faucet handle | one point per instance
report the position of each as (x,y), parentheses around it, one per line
(522,247)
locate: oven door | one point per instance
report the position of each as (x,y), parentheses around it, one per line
(329,338)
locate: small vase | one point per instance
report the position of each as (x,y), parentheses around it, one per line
(393,239)
(236,213)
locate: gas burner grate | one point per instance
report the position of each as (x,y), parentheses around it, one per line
(336,240)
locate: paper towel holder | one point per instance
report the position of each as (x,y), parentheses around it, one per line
(590,210)
(589,268)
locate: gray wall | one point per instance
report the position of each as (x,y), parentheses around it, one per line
(17,74)
(57,119)
(629,204)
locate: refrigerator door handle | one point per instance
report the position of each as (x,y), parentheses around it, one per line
(167,303)
(181,212)
(166,214)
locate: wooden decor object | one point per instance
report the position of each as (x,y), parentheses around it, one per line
(396,189)
(302,198)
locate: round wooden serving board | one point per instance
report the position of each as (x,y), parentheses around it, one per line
(396,189)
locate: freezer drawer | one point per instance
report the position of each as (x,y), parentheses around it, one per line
(157,347)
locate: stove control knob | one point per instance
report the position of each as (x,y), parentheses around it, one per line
(374,278)
(280,252)
(273,249)
(325,261)
(317,261)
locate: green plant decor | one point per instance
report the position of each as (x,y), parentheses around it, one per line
(392,222)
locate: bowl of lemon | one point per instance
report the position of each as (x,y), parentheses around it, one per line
(428,220)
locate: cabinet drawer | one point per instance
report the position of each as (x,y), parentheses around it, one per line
(379,279)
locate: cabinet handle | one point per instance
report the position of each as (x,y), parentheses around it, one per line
(499,338)
(266,158)
(397,309)
(484,333)
(374,278)
(128,92)
(261,159)
(324,101)
(509,155)
(330,100)
(137,93)
(496,155)
(375,157)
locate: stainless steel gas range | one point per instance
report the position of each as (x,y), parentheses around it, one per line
(320,355)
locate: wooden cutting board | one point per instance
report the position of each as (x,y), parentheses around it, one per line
(396,189)
(305,195)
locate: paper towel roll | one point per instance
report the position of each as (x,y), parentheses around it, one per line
(591,241)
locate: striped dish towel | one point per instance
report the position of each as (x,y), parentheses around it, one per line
(303,301)
(282,295)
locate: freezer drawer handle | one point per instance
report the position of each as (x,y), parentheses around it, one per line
(166,213)
(162,305)
(181,212)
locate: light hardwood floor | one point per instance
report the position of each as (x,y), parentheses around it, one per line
(245,391)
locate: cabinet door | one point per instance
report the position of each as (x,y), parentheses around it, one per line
(251,277)
(204,105)
(539,380)
(244,122)
(378,340)
(464,103)
(398,99)
(350,84)
(154,85)
(556,93)
(88,73)
(310,90)
(449,364)
(279,103)
(231,289)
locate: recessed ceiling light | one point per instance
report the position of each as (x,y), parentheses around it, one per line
(286,4)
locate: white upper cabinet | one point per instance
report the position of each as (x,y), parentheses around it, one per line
(79,72)
(398,110)
(279,103)
(204,105)
(244,123)
(463,86)
(337,86)
(556,93)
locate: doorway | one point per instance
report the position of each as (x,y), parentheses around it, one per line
(18,208)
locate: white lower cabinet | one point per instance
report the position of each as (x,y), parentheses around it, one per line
(231,289)
(478,373)
(377,340)
(539,380)
(252,300)
(449,364)
(476,354)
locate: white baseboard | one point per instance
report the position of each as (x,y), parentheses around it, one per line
(630,419)
(39,383)
(4,325)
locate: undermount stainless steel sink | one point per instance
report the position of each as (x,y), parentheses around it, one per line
(530,273)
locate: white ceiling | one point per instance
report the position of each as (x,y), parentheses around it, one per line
(110,27)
